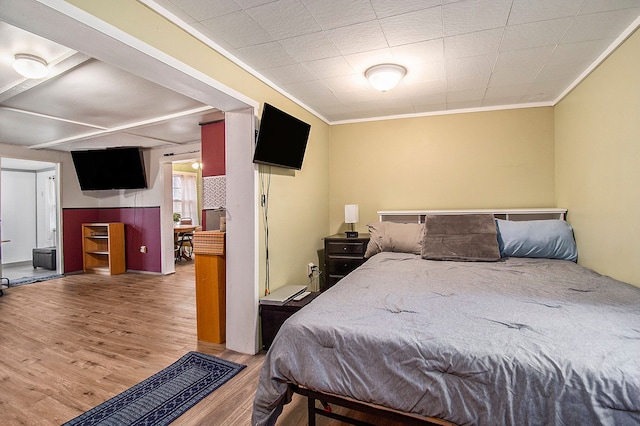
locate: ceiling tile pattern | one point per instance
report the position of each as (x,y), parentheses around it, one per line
(459,54)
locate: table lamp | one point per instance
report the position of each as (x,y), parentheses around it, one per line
(351,216)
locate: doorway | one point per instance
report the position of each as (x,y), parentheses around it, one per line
(72,27)
(29,212)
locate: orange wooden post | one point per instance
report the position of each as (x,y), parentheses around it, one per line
(211,308)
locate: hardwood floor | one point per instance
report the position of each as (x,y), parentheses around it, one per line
(68,344)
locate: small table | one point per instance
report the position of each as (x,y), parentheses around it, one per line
(342,255)
(273,316)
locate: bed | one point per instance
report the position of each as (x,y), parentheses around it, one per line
(527,339)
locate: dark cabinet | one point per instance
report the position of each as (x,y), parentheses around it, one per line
(273,316)
(342,255)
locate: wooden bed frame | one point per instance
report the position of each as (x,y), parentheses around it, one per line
(408,216)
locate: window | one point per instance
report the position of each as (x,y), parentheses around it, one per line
(185,195)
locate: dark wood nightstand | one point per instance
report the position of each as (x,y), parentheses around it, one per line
(342,255)
(273,316)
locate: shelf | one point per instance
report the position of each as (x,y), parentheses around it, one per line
(102,271)
(103,248)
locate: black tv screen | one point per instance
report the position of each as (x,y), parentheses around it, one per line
(111,168)
(282,139)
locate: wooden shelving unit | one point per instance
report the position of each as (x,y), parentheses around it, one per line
(103,248)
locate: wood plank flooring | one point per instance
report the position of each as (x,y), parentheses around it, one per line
(67,345)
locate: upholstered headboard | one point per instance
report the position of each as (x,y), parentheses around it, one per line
(418,216)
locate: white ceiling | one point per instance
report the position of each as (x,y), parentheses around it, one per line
(459,55)
(87,104)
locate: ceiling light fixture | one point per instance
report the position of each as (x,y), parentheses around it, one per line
(385,77)
(30,66)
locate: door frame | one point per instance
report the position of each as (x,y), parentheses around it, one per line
(70,26)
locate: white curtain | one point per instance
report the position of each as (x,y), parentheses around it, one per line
(185,195)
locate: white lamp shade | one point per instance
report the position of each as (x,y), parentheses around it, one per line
(385,77)
(30,66)
(351,213)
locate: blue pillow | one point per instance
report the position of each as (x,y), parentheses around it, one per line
(552,239)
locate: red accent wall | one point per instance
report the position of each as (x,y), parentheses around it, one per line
(141,227)
(213,149)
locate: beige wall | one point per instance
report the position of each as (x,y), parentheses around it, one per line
(298,206)
(598,164)
(498,159)
(476,160)
(298,214)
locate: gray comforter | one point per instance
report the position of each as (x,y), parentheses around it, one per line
(520,341)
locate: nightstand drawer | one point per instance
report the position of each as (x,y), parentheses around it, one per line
(343,247)
(342,255)
(342,266)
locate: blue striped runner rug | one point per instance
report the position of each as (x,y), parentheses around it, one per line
(165,396)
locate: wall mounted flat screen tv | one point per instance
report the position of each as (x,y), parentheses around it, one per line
(282,139)
(111,168)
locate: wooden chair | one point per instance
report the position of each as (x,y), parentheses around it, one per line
(184,247)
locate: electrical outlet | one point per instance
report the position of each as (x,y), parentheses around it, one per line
(143,249)
(310,268)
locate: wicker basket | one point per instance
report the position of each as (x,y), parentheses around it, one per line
(209,242)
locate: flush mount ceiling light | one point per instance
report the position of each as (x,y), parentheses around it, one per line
(30,66)
(385,77)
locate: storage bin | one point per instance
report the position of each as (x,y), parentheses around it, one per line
(44,258)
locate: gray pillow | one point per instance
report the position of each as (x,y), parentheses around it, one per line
(551,239)
(397,237)
(471,237)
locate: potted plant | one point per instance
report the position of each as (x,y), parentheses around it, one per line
(176,217)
